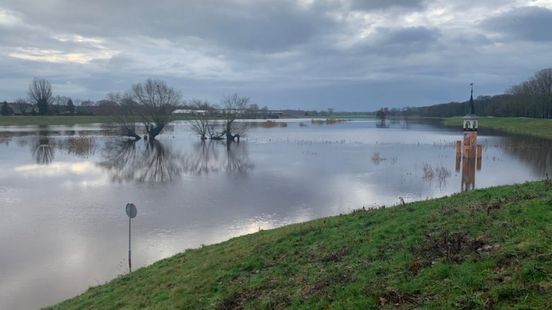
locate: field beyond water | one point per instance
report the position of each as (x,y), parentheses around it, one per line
(488,248)
(517,125)
(62,120)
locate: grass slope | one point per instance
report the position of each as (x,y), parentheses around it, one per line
(518,125)
(486,248)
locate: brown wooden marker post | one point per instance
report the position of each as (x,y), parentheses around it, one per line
(479,155)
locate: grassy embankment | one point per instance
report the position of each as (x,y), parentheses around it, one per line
(485,248)
(517,125)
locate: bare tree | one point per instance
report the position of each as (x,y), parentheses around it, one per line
(40,93)
(235,107)
(537,89)
(123,110)
(201,126)
(155,102)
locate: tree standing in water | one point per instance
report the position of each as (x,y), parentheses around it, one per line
(235,107)
(154,103)
(151,103)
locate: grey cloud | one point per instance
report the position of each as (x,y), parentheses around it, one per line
(368,5)
(402,41)
(525,23)
(345,54)
(410,35)
(262,25)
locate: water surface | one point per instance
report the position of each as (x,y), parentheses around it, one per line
(63,190)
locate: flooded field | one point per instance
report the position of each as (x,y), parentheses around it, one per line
(63,190)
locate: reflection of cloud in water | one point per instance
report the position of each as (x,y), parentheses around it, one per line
(162,243)
(79,174)
(300,174)
(56,169)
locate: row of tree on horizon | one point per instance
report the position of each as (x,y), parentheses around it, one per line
(531,98)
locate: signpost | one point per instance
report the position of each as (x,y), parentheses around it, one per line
(131,211)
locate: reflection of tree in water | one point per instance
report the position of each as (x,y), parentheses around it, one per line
(82,146)
(153,162)
(146,161)
(5,137)
(534,151)
(384,123)
(206,158)
(43,148)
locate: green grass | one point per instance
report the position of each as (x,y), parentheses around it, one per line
(518,125)
(52,120)
(62,120)
(486,248)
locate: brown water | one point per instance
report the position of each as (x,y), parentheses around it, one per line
(63,190)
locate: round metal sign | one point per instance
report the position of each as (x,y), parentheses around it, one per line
(131,210)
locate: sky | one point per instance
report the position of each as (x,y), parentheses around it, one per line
(348,55)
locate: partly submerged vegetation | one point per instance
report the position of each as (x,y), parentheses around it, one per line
(482,249)
(517,125)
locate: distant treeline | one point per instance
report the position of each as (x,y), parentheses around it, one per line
(40,100)
(531,98)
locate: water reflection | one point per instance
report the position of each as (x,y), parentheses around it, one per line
(469,164)
(81,146)
(65,210)
(43,148)
(383,123)
(534,151)
(156,162)
(140,161)
(206,158)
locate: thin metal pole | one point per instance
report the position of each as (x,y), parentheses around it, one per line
(129,256)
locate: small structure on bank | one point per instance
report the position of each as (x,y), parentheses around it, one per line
(468,152)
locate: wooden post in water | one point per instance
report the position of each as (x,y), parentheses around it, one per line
(458,155)
(479,155)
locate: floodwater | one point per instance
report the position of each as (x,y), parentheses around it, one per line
(63,190)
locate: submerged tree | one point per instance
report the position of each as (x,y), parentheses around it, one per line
(122,108)
(150,103)
(201,125)
(235,107)
(40,93)
(154,101)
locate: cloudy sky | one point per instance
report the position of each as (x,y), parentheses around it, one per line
(315,54)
